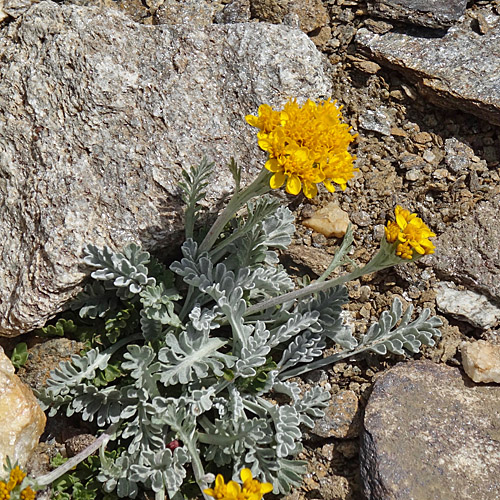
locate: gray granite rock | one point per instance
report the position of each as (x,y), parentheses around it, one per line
(376,121)
(460,69)
(431,13)
(237,11)
(97,116)
(467,305)
(16,8)
(430,434)
(469,252)
(458,156)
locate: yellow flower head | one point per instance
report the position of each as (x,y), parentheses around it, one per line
(27,494)
(4,491)
(411,233)
(252,488)
(307,145)
(16,477)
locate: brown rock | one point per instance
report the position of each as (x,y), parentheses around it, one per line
(312,14)
(272,11)
(46,356)
(430,435)
(78,443)
(315,259)
(369,67)
(341,418)
(22,421)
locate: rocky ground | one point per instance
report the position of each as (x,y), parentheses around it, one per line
(440,162)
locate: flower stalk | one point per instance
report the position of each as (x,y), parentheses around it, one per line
(258,187)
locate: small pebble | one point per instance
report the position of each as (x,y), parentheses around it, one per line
(413,175)
(422,137)
(429,156)
(329,221)
(440,173)
(481,361)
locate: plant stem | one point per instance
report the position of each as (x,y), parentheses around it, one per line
(219,440)
(339,255)
(384,258)
(319,363)
(258,187)
(303,292)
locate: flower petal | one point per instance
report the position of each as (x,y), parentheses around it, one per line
(310,189)
(277,180)
(246,475)
(293,185)
(219,481)
(272,165)
(266,487)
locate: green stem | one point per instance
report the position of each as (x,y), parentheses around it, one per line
(258,187)
(198,471)
(222,385)
(216,439)
(303,292)
(384,258)
(319,363)
(188,305)
(339,256)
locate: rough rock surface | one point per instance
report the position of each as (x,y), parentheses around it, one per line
(340,420)
(190,12)
(97,116)
(237,11)
(481,361)
(22,421)
(309,15)
(44,357)
(467,305)
(431,13)
(460,69)
(469,252)
(430,434)
(15,8)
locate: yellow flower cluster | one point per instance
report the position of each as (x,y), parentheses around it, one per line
(27,494)
(307,145)
(411,233)
(15,479)
(252,489)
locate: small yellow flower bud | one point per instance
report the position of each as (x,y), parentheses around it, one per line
(27,494)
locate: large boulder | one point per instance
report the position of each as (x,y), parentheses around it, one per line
(460,69)
(99,114)
(430,433)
